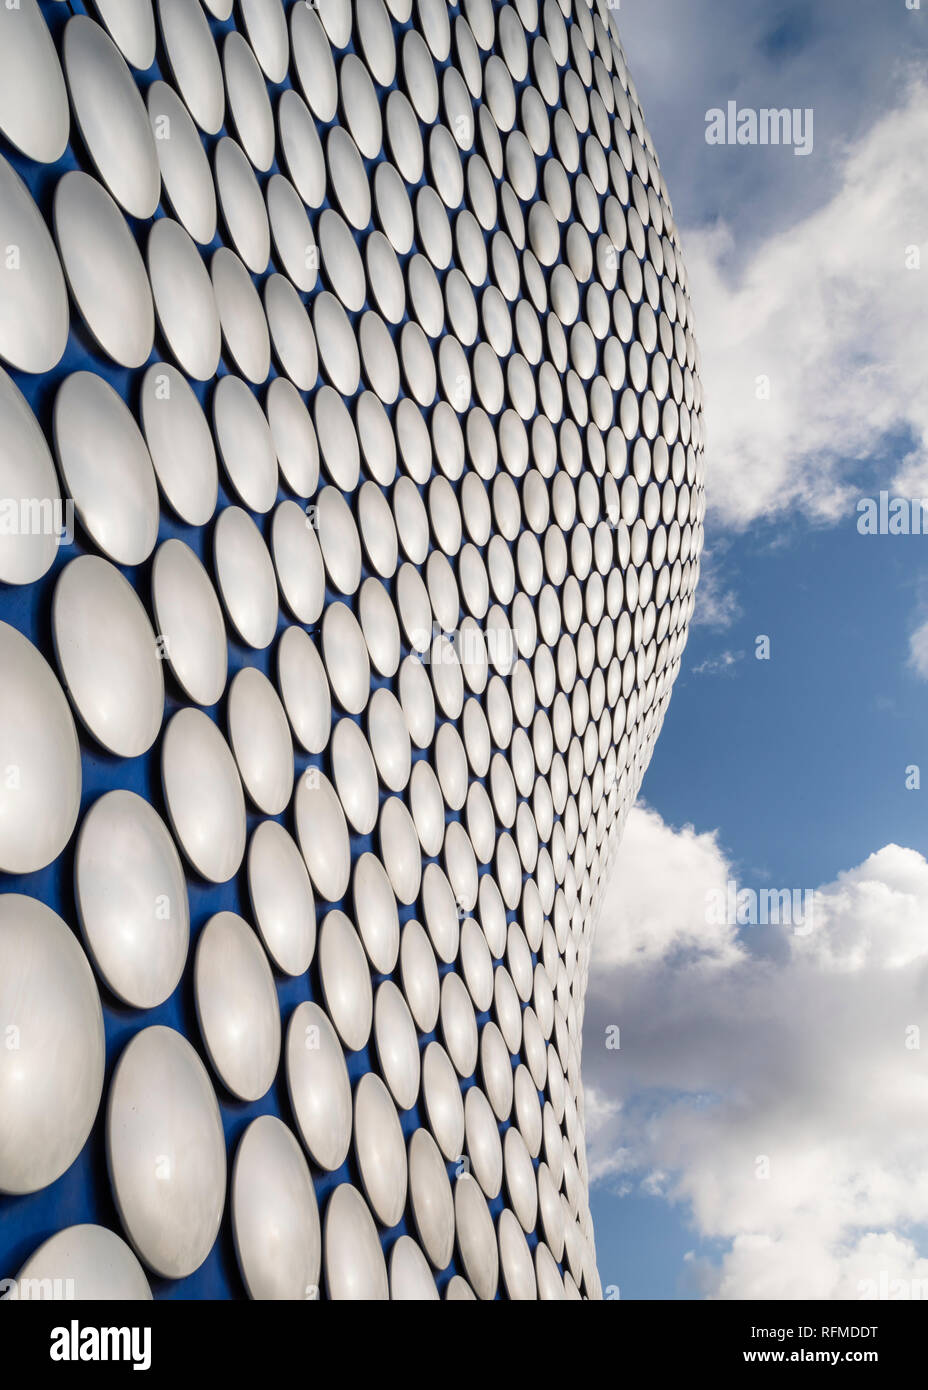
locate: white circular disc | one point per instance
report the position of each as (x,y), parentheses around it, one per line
(191,627)
(32,515)
(132,899)
(275,1218)
(237,1006)
(34,316)
(203,793)
(106,468)
(104,267)
(318,1085)
(109,659)
(354,1264)
(40,791)
(281,898)
(260,739)
(51,1078)
(166,1152)
(89,1263)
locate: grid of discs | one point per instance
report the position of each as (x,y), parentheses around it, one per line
(355,342)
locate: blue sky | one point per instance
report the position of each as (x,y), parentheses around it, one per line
(801,759)
(789,772)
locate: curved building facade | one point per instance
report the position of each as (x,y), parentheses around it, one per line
(351,501)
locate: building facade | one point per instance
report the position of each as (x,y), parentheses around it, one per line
(351,502)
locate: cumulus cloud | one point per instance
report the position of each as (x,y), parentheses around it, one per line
(812,349)
(768,1081)
(717,605)
(661,914)
(918,651)
(720,665)
(798,266)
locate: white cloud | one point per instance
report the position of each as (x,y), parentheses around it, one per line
(918,651)
(718,665)
(716,605)
(663,913)
(765,1048)
(828,314)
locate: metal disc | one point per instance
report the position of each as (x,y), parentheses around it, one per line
(194,61)
(237,1006)
(131,26)
(132,899)
(242,204)
(246,577)
(184,299)
(431,1199)
(34,301)
(161,1108)
(111,116)
(323,835)
(444,1107)
(106,468)
(180,443)
(33,100)
(245,443)
(92,234)
(248,100)
(410,1276)
(275,1218)
(355,776)
(345,657)
(185,171)
(380,1149)
(204,796)
(302,150)
(34,517)
(397,1045)
(266,26)
(40,795)
(86,1262)
(298,561)
(419,973)
(354,1263)
(241,317)
(312,58)
(346,981)
(108,655)
(304,687)
(476,1237)
(260,739)
(515,1259)
(51,1078)
(291,332)
(281,898)
(191,629)
(318,1085)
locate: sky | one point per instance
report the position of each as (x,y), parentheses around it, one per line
(759,1131)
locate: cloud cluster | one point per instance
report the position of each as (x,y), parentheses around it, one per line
(813,349)
(769,1082)
(918,651)
(721,665)
(717,605)
(798,267)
